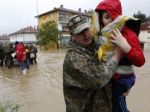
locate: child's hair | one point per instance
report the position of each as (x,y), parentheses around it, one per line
(100,15)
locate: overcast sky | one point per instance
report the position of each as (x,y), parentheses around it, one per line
(16,14)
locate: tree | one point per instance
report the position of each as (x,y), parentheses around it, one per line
(47,34)
(148,18)
(140,16)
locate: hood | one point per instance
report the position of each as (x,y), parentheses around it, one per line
(113,7)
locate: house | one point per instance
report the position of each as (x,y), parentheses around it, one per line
(60,16)
(25,35)
(144,35)
(4,39)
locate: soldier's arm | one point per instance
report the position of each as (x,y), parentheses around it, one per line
(90,73)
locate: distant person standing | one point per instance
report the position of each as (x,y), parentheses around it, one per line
(7,53)
(27,56)
(33,54)
(1,54)
(21,56)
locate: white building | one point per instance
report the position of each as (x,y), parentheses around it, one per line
(25,35)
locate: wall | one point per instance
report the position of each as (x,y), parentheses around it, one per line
(47,17)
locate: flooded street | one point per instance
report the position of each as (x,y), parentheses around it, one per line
(40,90)
(138,99)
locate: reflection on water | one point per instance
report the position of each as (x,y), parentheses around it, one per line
(40,90)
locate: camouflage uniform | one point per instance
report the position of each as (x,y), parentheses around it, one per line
(86,82)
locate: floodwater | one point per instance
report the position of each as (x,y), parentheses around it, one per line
(40,90)
(139,96)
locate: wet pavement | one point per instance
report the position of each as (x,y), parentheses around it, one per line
(40,90)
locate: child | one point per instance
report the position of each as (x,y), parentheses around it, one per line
(113,25)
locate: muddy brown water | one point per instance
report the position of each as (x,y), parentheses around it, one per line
(139,96)
(40,90)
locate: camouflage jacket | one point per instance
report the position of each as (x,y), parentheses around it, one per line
(86,81)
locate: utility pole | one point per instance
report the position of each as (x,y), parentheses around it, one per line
(37,7)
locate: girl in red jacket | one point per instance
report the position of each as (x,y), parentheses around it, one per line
(113,26)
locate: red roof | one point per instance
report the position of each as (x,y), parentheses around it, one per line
(26,30)
(61,8)
(4,37)
(145,26)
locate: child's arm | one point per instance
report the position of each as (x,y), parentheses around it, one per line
(135,55)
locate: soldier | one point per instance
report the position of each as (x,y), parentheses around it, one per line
(86,81)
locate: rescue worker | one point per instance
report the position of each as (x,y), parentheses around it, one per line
(86,81)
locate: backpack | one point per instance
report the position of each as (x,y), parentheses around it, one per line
(20,52)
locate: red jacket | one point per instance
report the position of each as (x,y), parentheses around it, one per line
(20,52)
(114,9)
(135,55)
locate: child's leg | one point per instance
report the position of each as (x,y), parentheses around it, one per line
(122,106)
(118,100)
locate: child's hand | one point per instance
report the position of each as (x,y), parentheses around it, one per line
(120,41)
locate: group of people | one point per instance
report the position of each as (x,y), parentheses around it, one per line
(98,72)
(25,55)
(19,53)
